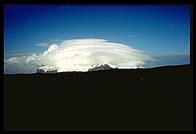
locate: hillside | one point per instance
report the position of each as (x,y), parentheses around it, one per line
(118,99)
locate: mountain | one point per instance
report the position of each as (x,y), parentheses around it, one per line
(46,69)
(100,67)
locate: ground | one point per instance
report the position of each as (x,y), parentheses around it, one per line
(132,99)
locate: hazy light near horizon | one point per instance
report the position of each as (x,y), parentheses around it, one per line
(79,55)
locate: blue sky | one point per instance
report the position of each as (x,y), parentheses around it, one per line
(155,30)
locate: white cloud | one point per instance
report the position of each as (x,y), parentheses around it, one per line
(42,44)
(79,55)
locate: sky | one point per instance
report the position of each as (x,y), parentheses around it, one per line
(152,36)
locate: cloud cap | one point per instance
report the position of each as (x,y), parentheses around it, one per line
(79,55)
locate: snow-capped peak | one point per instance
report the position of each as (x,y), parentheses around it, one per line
(100,67)
(46,69)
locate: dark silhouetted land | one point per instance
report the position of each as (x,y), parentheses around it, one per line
(132,99)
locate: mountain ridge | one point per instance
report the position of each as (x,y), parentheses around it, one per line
(113,69)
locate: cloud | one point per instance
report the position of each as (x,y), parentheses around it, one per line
(79,55)
(165,60)
(42,44)
(17,54)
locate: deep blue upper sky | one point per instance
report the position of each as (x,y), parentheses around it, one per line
(157,30)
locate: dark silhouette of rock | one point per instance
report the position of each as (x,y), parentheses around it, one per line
(51,71)
(40,71)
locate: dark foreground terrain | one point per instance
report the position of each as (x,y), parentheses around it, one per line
(140,99)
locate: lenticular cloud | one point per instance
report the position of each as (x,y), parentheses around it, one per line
(79,55)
